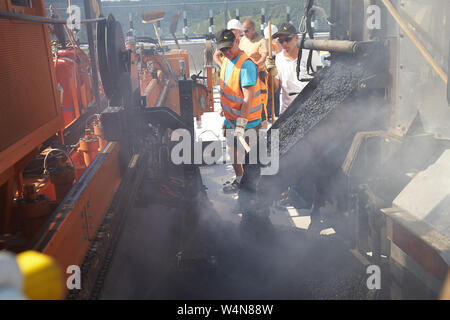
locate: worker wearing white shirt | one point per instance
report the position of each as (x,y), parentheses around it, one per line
(285,65)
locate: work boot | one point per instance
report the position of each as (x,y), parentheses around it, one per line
(231,187)
(316,224)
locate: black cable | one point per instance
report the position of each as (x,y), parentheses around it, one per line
(310,30)
(305,27)
(299,56)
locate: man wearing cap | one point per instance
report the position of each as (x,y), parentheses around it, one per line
(242,101)
(283,68)
(235,26)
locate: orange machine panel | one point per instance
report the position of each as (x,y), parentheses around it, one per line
(29,107)
(67,237)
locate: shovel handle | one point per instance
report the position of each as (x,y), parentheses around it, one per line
(241,138)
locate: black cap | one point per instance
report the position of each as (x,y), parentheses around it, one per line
(285,29)
(225,39)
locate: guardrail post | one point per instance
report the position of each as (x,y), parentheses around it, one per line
(212,29)
(185,28)
(225,13)
(263,20)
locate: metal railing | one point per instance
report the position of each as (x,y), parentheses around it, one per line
(202,18)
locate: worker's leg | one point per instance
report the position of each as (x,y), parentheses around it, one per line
(238,168)
(252,171)
(318,202)
(269,105)
(277,102)
(233,186)
(255,213)
(248,192)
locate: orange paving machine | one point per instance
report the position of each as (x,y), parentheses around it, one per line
(69,167)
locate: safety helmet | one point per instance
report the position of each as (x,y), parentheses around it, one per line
(274,29)
(234,24)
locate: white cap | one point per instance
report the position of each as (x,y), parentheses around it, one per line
(234,24)
(266,31)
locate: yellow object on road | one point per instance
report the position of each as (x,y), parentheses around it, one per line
(42,276)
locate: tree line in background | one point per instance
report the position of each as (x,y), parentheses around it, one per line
(197,13)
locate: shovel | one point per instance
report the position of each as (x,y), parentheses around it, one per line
(153,17)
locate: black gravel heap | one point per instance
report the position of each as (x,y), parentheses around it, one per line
(329,89)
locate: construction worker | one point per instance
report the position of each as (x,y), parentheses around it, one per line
(242,102)
(283,68)
(255,46)
(285,65)
(235,26)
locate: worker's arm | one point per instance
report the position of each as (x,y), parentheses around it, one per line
(276,83)
(217,58)
(273,72)
(261,62)
(242,121)
(264,52)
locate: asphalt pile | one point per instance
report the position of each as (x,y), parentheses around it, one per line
(329,89)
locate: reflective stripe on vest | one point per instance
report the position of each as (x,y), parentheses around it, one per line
(238,112)
(232,97)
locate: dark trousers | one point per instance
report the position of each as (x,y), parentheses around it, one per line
(276,103)
(248,190)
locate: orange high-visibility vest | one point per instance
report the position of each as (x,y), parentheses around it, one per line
(264,123)
(276,47)
(232,97)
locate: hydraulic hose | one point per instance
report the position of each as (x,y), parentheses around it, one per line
(65,153)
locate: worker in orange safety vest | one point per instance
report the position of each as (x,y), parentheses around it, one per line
(242,97)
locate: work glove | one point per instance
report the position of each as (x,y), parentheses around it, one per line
(241,123)
(271,67)
(239,132)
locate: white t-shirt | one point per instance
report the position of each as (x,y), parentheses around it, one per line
(288,77)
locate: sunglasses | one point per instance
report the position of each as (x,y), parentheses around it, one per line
(223,50)
(246,30)
(287,39)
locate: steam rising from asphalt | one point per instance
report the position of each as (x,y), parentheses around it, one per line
(258,262)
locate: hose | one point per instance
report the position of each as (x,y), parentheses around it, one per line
(305,27)
(69,34)
(65,153)
(89,119)
(208,130)
(169,67)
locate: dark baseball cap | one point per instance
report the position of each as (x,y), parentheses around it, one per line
(225,39)
(285,29)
